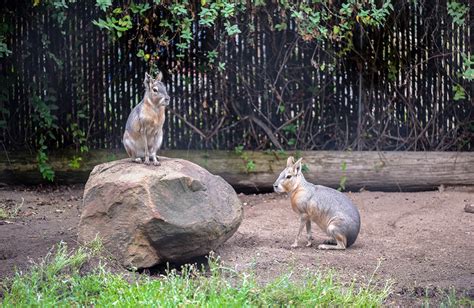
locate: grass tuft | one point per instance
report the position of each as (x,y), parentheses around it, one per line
(9,213)
(58,281)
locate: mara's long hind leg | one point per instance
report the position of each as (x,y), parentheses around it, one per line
(130,148)
(338,236)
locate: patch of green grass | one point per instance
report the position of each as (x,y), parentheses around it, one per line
(9,213)
(454,300)
(448,298)
(3,213)
(58,282)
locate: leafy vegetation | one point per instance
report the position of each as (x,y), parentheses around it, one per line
(177,29)
(458,12)
(59,280)
(343,179)
(322,21)
(4,51)
(248,163)
(10,212)
(45,120)
(468,67)
(44,99)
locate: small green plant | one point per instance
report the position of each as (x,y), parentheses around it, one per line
(291,130)
(3,213)
(451,299)
(96,246)
(281,108)
(80,139)
(9,213)
(343,179)
(75,162)
(239,149)
(46,122)
(42,159)
(249,163)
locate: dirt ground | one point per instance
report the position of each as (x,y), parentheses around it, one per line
(423,242)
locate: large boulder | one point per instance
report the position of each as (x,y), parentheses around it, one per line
(146,215)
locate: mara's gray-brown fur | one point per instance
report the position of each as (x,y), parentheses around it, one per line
(144,129)
(331,210)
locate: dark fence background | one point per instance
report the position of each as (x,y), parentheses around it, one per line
(394,91)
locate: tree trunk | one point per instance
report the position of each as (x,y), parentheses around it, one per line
(387,171)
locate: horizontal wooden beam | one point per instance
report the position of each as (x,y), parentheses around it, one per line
(388,171)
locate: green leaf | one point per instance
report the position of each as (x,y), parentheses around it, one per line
(103,4)
(281,26)
(221,66)
(102,24)
(141,53)
(281,108)
(290,128)
(250,166)
(459,93)
(342,183)
(232,29)
(239,149)
(344,166)
(212,55)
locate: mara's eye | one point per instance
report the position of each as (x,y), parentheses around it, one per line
(288,176)
(155,90)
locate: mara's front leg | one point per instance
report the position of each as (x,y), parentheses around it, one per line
(303,220)
(156,146)
(145,141)
(309,237)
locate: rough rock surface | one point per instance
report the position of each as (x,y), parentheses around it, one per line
(469,208)
(146,215)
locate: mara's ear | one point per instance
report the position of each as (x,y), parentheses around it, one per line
(290,161)
(159,77)
(297,166)
(147,81)
(147,77)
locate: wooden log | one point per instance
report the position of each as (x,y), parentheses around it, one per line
(387,171)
